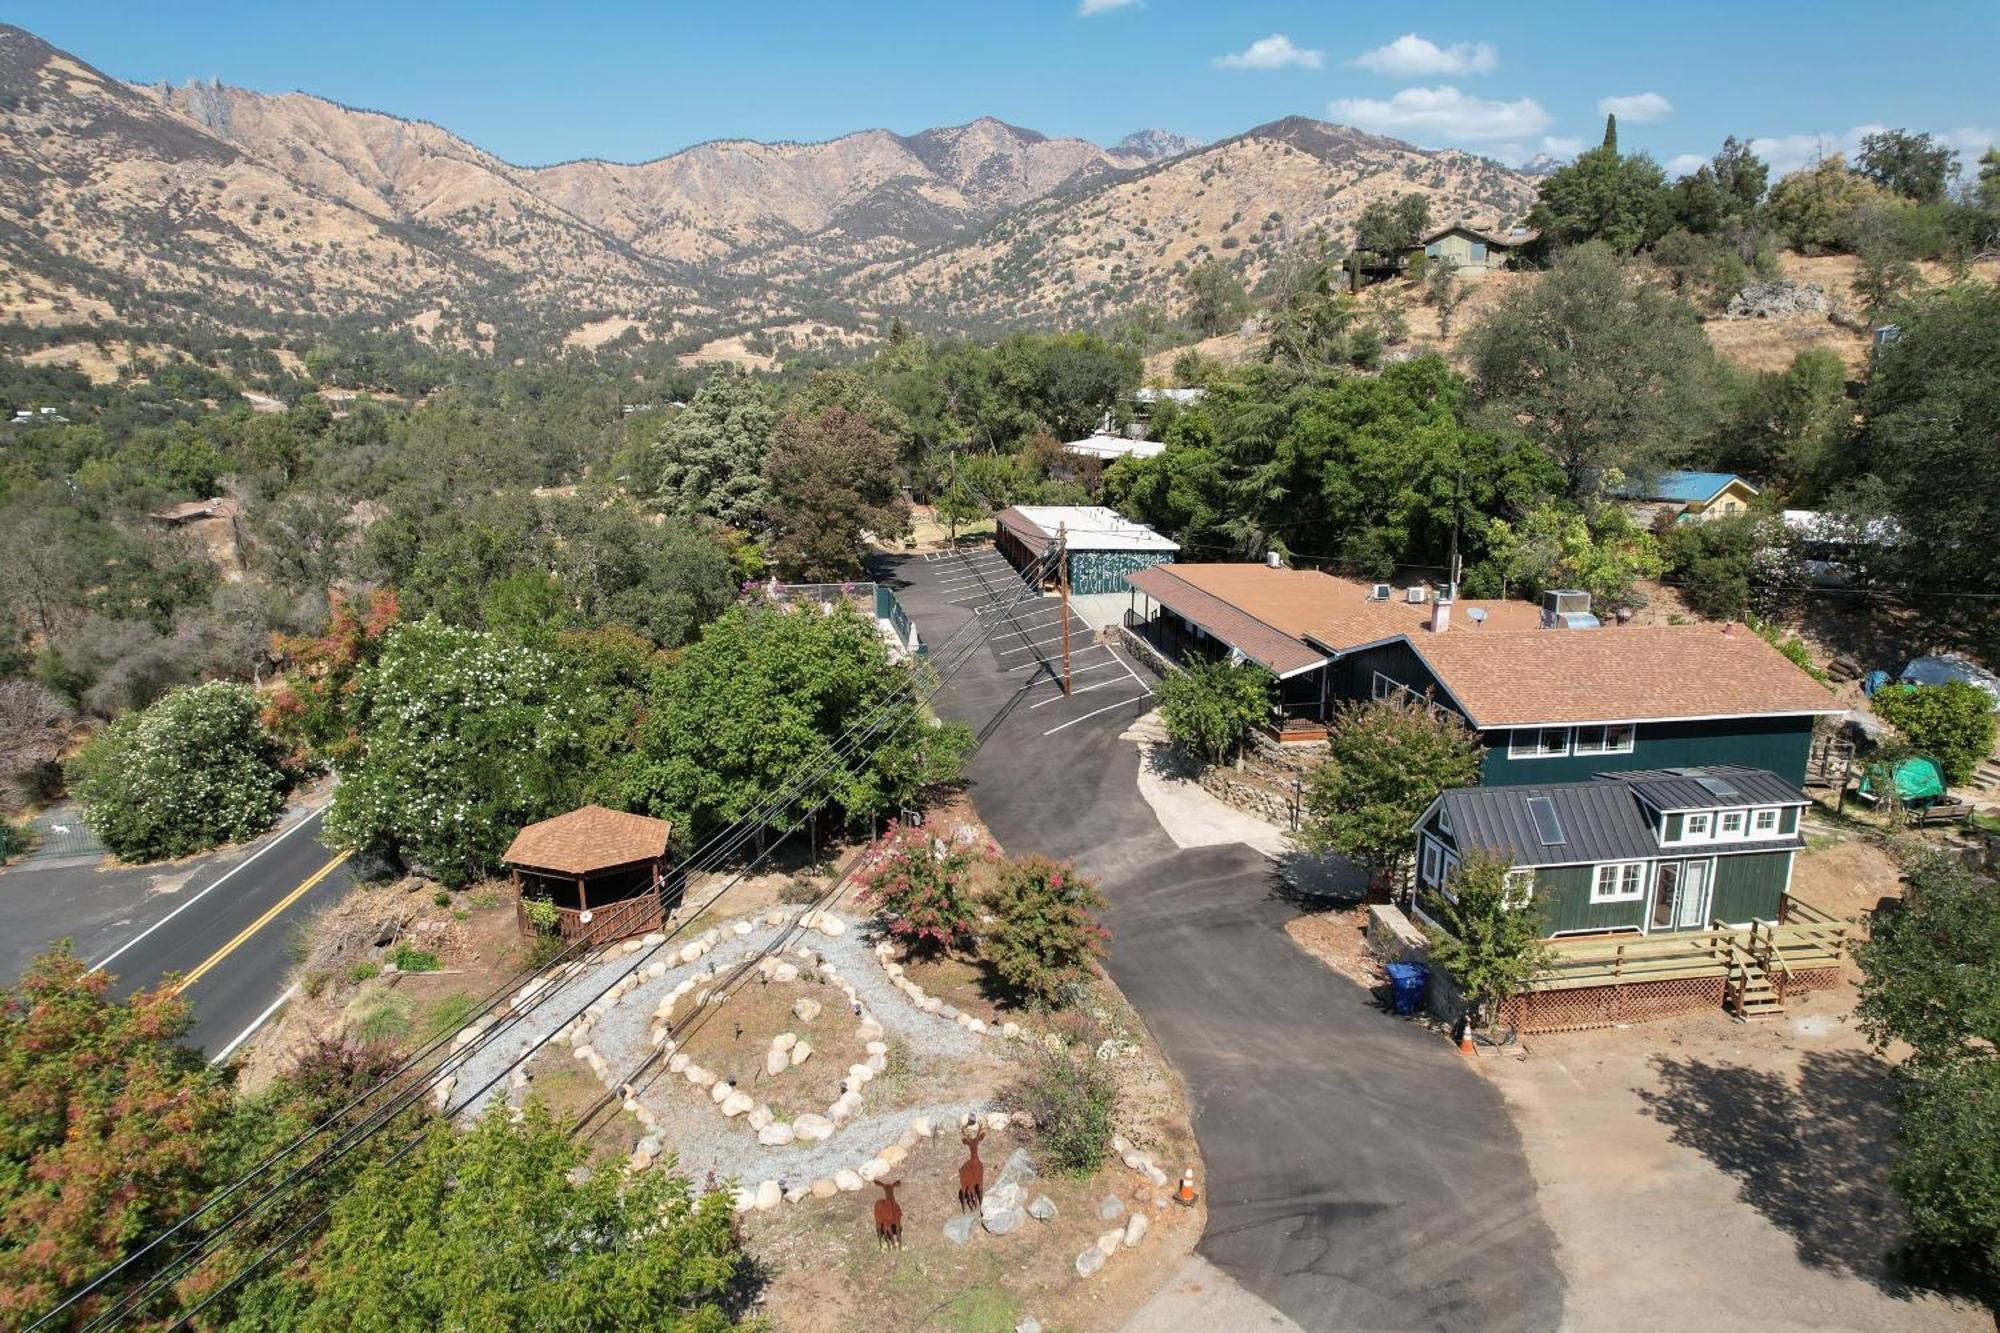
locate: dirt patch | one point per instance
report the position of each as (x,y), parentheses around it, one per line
(1847,876)
(1339,939)
(1749,1158)
(734,1038)
(966,982)
(467,946)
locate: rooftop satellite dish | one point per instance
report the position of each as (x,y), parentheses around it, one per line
(1477,615)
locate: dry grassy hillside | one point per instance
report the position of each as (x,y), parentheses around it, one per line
(1083,256)
(861,195)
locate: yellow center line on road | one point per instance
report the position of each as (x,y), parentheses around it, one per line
(259,923)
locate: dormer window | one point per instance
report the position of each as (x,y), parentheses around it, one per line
(1766,821)
(1697,826)
(1732,823)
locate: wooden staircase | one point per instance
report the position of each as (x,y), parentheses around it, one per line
(1749,992)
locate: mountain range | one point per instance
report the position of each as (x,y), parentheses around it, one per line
(260,212)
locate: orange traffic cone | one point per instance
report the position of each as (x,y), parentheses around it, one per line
(1465,1038)
(1185,1194)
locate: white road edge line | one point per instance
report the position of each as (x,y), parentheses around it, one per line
(1087,716)
(255,1023)
(225,877)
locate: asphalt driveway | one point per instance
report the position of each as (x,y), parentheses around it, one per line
(1360,1176)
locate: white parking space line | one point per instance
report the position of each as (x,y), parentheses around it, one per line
(1082,689)
(1095,647)
(1063,726)
(1056,667)
(1027,647)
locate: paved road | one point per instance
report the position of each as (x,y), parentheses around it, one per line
(223,922)
(1360,1176)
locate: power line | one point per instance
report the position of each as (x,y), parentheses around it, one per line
(717,848)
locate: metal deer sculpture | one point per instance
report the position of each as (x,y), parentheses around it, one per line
(889,1215)
(972,1176)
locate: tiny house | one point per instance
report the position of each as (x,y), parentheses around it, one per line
(1650,852)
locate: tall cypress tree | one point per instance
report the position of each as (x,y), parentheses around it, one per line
(1611,132)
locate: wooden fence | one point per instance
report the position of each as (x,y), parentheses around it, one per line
(613,921)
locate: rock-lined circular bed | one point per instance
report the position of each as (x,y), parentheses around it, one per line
(900,1066)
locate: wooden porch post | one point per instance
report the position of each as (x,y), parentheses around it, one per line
(582,902)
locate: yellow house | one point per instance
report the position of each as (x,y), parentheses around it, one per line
(1696,497)
(1474,249)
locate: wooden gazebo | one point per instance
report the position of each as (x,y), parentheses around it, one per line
(604,871)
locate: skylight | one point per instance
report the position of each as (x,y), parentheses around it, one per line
(1716,786)
(1547,827)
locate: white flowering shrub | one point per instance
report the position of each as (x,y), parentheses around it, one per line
(195,770)
(461,737)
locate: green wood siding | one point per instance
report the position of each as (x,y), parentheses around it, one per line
(1563,894)
(1788,820)
(1748,887)
(1673,827)
(1354,673)
(1778,744)
(1105,571)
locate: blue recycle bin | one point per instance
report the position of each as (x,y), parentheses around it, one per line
(1406,986)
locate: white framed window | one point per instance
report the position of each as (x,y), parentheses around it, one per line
(1732,824)
(1613,739)
(1433,857)
(1538,743)
(1697,826)
(1384,687)
(1765,821)
(1520,888)
(1620,882)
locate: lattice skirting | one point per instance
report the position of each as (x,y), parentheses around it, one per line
(1606,1006)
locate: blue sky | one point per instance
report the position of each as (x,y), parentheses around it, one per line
(540,82)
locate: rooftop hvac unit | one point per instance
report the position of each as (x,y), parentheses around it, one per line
(1567,609)
(1272,559)
(1379,593)
(1414,595)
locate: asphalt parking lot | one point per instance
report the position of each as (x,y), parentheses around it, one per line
(1024,642)
(1360,1176)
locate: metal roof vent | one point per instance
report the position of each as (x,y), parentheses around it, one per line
(1379,593)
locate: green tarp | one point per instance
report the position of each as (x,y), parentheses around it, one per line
(1918,781)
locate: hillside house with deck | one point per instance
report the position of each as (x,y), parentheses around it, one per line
(1660,890)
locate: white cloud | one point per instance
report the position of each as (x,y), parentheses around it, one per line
(1639,107)
(1087,8)
(1685,164)
(1414,57)
(1560,145)
(1788,152)
(1273,52)
(1442,112)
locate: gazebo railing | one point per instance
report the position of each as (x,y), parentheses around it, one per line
(612,921)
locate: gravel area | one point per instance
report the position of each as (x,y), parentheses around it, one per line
(692,1127)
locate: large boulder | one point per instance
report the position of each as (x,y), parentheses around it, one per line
(1778,299)
(999,1224)
(959,1230)
(1089,1261)
(1043,1209)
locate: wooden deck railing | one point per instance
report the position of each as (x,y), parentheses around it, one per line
(1803,939)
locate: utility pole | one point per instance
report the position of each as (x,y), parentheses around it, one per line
(1062,568)
(951,497)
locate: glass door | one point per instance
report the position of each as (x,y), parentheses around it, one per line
(1694,879)
(1666,895)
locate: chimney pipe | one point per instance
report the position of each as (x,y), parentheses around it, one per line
(1441,611)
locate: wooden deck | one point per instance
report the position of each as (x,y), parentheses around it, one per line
(1804,939)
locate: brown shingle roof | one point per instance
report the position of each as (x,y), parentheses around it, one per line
(592,838)
(1618,674)
(1262,643)
(1333,612)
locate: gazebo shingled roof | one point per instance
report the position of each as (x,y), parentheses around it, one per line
(586,840)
